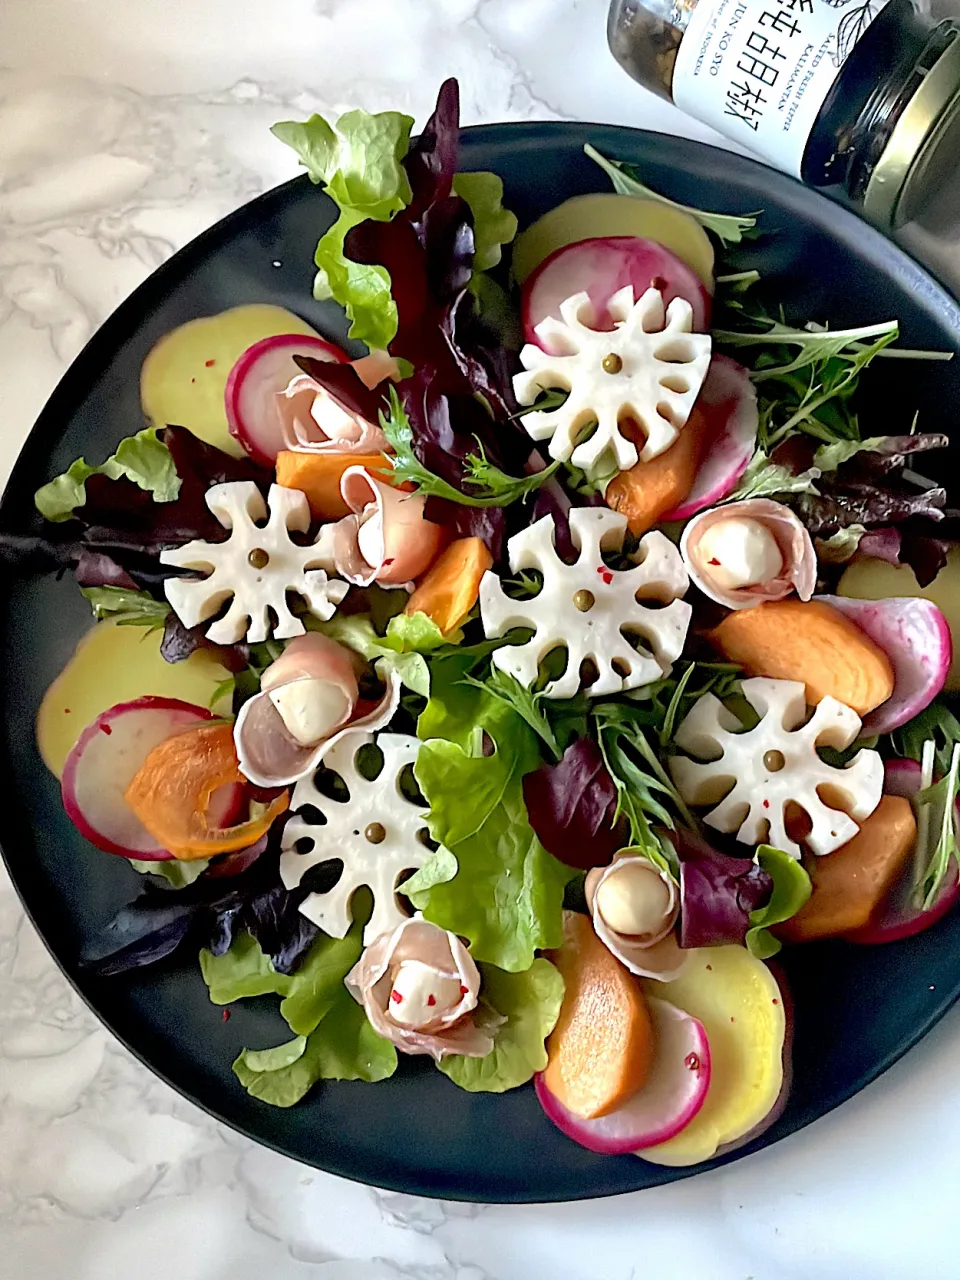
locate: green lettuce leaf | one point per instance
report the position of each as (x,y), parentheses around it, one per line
(344,1047)
(364,291)
(937,723)
(177,874)
(317,986)
(530,1002)
(791,889)
(401,649)
(830,456)
(142,458)
(507,895)
(493,225)
(359,162)
(241,972)
(439,868)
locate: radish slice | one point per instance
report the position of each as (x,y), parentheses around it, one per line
(600,268)
(728,402)
(672,1096)
(899,917)
(106,758)
(256,379)
(914,635)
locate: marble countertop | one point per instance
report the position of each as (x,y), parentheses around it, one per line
(126,127)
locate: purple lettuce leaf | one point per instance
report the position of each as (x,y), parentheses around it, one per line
(572,807)
(160,920)
(717,893)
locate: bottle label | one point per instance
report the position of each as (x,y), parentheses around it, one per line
(760,70)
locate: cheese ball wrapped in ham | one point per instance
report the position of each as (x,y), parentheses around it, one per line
(746,553)
(314,421)
(386,539)
(634,906)
(308,700)
(419,988)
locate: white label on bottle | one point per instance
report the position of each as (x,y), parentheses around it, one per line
(760,70)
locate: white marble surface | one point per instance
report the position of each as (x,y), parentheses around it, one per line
(126,127)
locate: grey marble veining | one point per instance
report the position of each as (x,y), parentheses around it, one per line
(125,129)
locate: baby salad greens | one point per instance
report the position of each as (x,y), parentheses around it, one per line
(528,693)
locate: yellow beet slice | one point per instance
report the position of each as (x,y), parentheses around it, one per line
(871,579)
(117,664)
(737,999)
(812,642)
(184,375)
(606,213)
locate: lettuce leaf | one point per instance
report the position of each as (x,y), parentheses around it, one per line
(360,163)
(241,972)
(344,1047)
(401,649)
(791,889)
(128,608)
(493,225)
(530,1002)
(142,458)
(507,895)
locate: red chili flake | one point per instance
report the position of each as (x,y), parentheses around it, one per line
(431,1000)
(396,997)
(776,1002)
(464,990)
(107,729)
(766,804)
(710,967)
(225,1016)
(388,562)
(713,561)
(606,575)
(193,379)
(733,1019)
(692,1061)
(209,363)
(66,711)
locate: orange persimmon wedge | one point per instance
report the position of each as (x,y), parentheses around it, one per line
(171,794)
(650,489)
(601,1050)
(810,641)
(318,475)
(851,883)
(450,587)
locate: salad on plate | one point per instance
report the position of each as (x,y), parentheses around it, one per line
(506,690)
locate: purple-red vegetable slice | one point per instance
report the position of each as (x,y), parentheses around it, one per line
(255,381)
(914,635)
(104,760)
(900,917)
(600,268)
(728,402)
(673,1094)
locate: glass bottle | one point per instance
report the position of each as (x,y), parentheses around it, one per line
(860,93)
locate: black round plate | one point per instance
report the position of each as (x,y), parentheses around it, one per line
(857,1008)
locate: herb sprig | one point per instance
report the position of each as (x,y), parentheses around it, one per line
(494,487)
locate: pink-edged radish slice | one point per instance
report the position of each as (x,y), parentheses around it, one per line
(728,405)
(600,268)
(104,761)
(914,635)
(674,1092)
(900,917)
(256,379)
